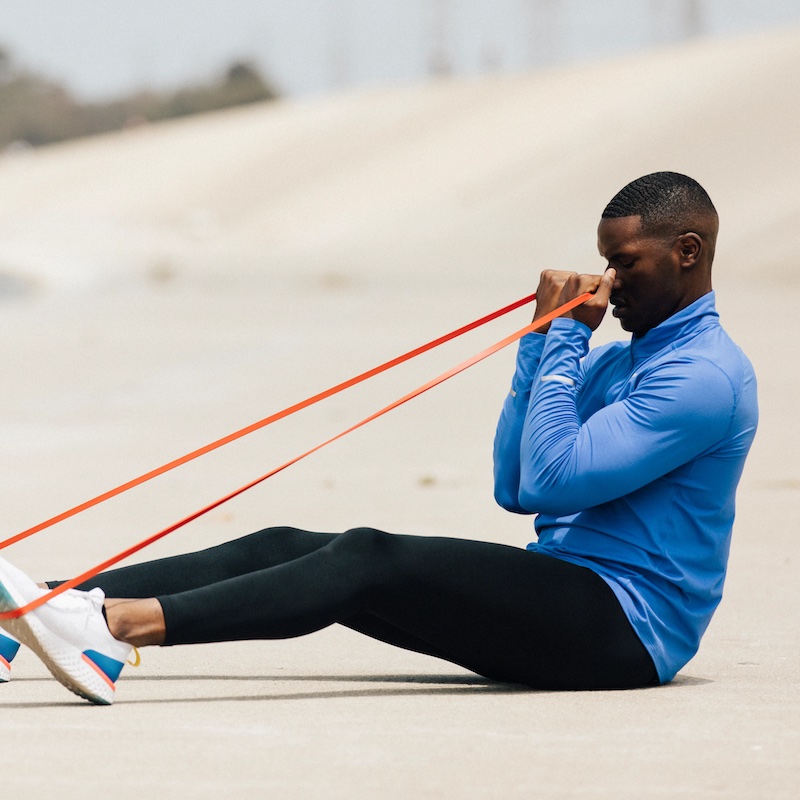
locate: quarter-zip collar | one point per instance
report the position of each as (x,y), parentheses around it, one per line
(688,322)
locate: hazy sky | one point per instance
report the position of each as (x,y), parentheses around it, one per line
(104,47)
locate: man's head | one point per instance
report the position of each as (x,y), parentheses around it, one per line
(659,233)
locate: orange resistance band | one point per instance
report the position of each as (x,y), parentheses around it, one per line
(73,582)
(264,422)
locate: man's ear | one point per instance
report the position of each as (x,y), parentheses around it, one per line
(689,247)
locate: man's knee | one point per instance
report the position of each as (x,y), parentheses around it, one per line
(267,538)
(365,541)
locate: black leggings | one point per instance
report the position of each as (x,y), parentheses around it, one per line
(502,612)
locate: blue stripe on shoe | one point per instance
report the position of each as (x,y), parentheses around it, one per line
(8,648)
(110,666)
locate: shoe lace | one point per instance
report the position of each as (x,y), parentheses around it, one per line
(137,658)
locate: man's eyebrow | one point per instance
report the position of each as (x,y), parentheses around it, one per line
(621,251)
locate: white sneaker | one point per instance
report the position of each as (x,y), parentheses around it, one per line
(69,634)
(8,649)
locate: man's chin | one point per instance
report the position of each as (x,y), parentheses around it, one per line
(619,312)
(625,323)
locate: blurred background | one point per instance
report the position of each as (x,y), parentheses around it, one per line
(209,210)
(86,66)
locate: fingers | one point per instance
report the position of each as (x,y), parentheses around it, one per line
(591,312)
(576,285)
(598,285)
(551,285)
(603,292)
(557,287)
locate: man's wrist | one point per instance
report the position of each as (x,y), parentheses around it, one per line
(568,325)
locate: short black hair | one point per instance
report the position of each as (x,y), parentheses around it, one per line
(668,203)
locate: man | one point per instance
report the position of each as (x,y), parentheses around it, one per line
(632,456)
(629,455)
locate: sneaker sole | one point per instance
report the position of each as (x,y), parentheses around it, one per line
(68,665)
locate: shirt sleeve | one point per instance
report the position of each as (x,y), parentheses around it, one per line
(512,419)
(677,410)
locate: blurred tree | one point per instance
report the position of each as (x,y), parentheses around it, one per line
(240,85)
(5,64)
(35,111)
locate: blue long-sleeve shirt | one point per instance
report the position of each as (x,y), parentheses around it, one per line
(630,456)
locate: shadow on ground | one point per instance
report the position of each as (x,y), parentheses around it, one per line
(401,686)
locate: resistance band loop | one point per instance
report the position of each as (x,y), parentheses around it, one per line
(266,421)
(76,581)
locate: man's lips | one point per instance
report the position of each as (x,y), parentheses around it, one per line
(619,305)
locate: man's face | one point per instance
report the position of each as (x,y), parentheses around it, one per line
(648,286)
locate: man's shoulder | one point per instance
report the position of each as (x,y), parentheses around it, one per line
(710,374)
(714,351)
(704,362)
